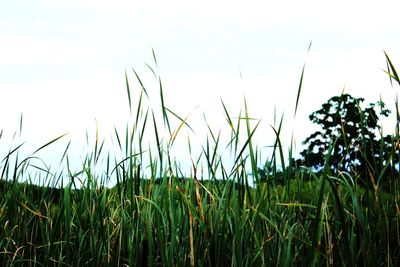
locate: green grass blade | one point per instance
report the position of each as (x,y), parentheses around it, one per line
(140,81)
(154,56)
(299,90)
(49,143)
(245,146)
(128,92)
(392,71)
(20,124)
(300,84)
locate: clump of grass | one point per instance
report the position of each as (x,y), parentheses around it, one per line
(157,216)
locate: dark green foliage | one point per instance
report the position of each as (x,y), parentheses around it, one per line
(354,132)
(156,229)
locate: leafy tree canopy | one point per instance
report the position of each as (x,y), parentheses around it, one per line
(351,130)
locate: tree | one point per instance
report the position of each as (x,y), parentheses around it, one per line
(352,133)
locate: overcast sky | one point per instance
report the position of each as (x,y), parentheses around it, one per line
(62,63)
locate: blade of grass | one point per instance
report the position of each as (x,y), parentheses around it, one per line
(244,146)
(20,124)
(392,71)
(140,81)
(128,91)
(301,83)
(49,143)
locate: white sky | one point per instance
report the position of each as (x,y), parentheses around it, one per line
(62,63)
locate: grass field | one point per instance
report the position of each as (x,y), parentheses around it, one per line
(156,216)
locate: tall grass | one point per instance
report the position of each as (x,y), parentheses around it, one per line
(157,216)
